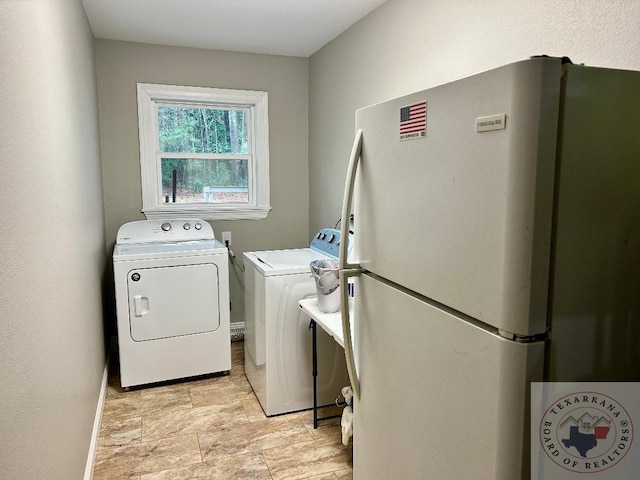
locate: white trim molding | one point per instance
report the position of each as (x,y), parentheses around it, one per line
(149,95)
(97,422)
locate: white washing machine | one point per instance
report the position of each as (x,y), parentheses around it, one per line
(172,301)
(277,340)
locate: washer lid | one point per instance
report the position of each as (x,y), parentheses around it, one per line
(284,262)
(144,251)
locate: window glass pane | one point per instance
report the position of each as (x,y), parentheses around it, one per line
(205,180)
(202,130)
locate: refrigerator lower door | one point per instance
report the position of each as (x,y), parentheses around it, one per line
(439,397)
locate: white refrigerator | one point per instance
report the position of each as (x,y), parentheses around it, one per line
(497,242)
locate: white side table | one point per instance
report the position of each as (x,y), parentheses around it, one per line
(330,323)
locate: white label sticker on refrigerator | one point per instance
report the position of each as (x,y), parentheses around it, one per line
(491,122)
(413,121)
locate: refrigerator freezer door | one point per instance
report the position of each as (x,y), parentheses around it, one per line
(460,215)
(439,397)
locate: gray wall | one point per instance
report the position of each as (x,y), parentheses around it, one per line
(120,65)
(52,235)
(409,45)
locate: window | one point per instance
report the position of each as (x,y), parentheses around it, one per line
(204,152)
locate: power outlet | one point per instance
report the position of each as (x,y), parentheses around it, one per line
(226,238)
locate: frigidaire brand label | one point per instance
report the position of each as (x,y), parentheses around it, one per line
(492,122)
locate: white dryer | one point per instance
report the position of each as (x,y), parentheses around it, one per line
(172,301)
(277,340)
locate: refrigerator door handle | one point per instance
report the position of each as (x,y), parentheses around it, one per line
(347,269)
(346,329)
(347,200)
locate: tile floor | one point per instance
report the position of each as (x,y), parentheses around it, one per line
(212,428)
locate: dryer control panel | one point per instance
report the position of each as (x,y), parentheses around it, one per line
(163,231)
(327,241)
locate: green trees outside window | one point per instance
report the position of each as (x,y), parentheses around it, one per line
(208,150)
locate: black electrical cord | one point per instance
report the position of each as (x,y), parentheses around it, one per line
(335,227)
(232,256)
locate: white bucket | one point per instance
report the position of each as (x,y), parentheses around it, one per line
(326,274)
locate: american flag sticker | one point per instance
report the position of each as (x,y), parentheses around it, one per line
(413,121)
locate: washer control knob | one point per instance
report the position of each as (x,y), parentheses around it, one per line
(186,226)
(198,226)
(166,226)
(332,238)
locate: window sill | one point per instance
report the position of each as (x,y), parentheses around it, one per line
(206,212)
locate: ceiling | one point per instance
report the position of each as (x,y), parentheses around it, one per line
(278,27)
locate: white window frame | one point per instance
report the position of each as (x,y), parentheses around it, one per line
(149,97)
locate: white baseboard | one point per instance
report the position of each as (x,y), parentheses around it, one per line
(95,434)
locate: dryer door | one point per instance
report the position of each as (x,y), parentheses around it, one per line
(172,301)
